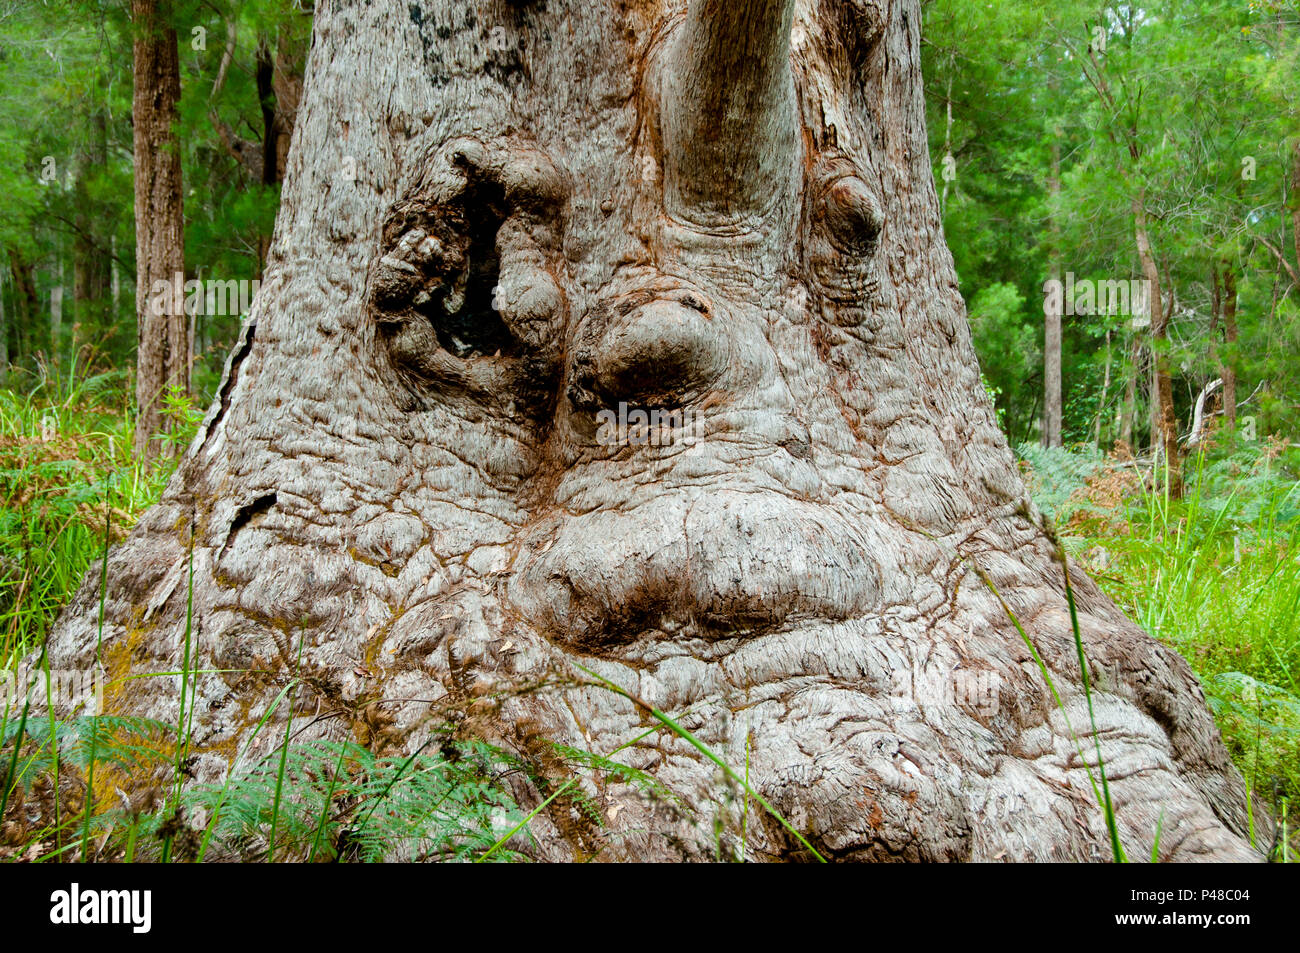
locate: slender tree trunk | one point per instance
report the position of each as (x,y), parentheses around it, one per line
(114,280)
(25,315)
(433,484)
(162,357)
(1133,371)
(1295,201)
(1052,330)
(264,73)
(1227,368)
(56,306)
(92,250)
(947,149)
(4,331)
(1052,410)
(1105,391)
(1164,423)
(278,77)
(291,45)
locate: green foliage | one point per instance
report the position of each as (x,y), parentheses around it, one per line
(1058,476)
(66,143)
(1012,352)
(1191,108)
(1215,575)
(317,800)
(122,742)
(65,469)
(445,806)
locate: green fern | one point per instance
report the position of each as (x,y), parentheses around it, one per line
(1057,475)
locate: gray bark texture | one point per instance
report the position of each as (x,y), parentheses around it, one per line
(562,207)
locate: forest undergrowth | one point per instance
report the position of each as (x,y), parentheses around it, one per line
(1215,575)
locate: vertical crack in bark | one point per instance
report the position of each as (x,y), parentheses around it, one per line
(229,380)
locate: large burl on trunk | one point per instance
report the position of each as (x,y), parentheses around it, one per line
(510,228)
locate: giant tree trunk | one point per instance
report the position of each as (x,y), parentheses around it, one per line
(727,211)
(162,357)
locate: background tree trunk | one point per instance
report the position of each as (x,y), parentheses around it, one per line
(1295,201)
(278,76)
(25,315)
(56,307)
(4,330)
(1052,330)
(1164,422)
(162,359)
(92,252)
(1052,371)
(1227,368)
(1102,400)
(1133,369)
(503,221)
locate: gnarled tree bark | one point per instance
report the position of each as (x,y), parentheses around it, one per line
(504,222)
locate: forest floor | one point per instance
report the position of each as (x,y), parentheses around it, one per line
(1215,575)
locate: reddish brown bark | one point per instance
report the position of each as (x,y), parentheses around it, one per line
(163,357)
